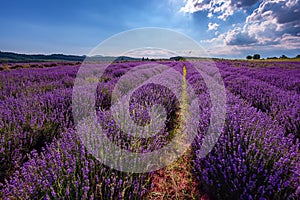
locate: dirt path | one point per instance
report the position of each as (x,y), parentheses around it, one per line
(176,180)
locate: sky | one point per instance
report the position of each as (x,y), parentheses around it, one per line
(224,28)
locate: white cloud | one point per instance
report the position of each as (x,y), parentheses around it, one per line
(216,47)
(275,23)
(150,52)
(270,23)
(238,36)
(221,8)
(212,26)
(273,26)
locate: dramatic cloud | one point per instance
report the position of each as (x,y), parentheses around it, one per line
(270,24)
(222,8)
(239,37)
(274,23)
(212,26)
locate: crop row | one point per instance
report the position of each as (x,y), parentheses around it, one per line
(42,155)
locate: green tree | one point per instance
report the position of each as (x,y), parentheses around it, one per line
(249,57)
(256,56)
(283,56)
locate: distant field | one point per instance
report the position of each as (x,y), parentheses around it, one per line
(256,157)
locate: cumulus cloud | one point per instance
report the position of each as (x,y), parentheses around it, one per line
(151,53)
(222,8)
(274,24)
(239,37)
(270,24)
(212,26)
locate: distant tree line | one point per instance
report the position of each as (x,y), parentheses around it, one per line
(15,57)
(178,58)
(257,56)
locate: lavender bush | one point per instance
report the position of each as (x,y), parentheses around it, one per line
(256,157)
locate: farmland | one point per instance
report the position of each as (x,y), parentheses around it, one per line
(256,155)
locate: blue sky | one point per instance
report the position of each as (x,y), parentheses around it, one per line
(225,28)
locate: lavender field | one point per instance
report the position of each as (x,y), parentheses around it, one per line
(256,157)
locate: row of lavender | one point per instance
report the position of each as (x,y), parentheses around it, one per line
(65,170)
(274,73)
(254,157)
(35,106)
(271,89)
(280,104)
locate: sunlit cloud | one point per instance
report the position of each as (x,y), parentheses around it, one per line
(212,26)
